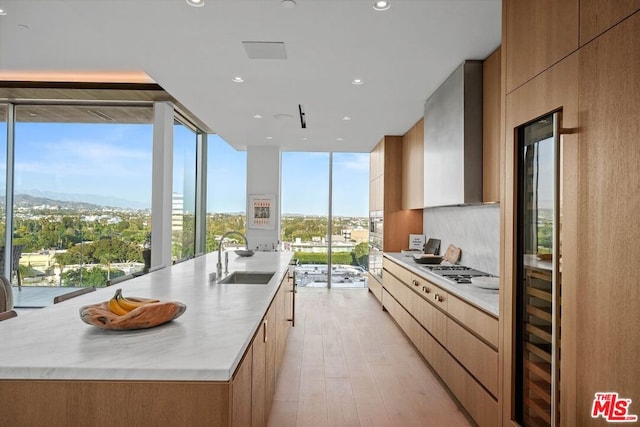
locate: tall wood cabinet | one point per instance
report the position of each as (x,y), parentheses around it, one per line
(599,103)
(491,135)
(386,195)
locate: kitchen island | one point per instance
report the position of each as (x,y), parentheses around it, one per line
(57,370)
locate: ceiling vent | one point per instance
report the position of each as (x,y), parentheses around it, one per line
(265,50)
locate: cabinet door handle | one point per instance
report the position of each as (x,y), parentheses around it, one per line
(438,298)
(264,331)
(426,290)
(415,282)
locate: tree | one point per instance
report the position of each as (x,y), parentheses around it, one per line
(361,255)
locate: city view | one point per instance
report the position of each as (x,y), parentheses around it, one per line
(82,203)
(79,244)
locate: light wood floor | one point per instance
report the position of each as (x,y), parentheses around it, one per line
(348,364)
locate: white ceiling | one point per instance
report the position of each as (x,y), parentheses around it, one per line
(402,55)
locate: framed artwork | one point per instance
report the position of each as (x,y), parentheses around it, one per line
(262,211)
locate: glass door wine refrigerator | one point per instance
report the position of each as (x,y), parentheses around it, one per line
(538,285)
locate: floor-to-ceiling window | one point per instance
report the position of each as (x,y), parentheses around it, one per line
(3,170)
(183,203)
(82,192)
(350,219)
(226,190)
(305,212)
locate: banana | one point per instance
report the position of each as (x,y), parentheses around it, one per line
(129,305)
(120,305)
(113,305)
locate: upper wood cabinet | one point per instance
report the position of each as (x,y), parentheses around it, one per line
(597,16)
(536,35)
(491,135)
(413,167)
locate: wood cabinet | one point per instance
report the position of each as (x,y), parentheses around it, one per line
(253,385)
(457,339)
(536,35)
(607,202)
(599,102)
(413,167)
(556,89)
(375,287)
(259,377)
(597,16)
(241,392)
(386,195)
(491,135)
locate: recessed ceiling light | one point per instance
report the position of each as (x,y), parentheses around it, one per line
(24,27)
(288,4)
(2,12)
(381,5)
(357,82)
(269,137)
(305,138)
(339,139)
(237,79)
(195,3)
(257,116)
(346,118)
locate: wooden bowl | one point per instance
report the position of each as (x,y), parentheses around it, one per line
(146,316)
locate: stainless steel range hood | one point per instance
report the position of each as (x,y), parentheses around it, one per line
(453,139)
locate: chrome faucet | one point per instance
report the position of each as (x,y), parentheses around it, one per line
(219,265)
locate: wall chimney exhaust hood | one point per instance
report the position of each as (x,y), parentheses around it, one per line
(453,139)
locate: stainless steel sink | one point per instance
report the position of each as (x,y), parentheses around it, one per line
(248,278)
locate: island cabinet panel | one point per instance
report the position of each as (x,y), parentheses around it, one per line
(264,356)
(273,339)
(241,389)
(466,362)
(536,35)
(597,16)
(109,403)
(259,378)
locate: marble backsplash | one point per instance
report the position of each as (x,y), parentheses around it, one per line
(474,228)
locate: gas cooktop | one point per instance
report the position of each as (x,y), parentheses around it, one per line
(455,273)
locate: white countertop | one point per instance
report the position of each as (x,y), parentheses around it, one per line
(206,343)
(484,299)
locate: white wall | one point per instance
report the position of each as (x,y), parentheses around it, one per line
(475,229)
(263,178)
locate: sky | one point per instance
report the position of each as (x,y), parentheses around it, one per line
(111,164)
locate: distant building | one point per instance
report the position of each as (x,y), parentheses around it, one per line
(319,245)
(177,211)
